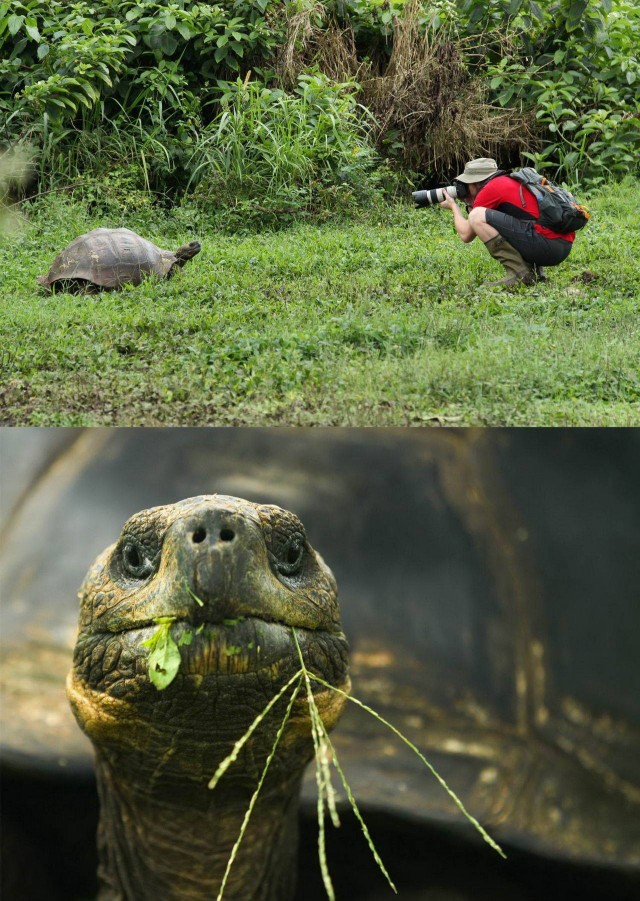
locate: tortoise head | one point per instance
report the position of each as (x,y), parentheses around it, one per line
(234,579)
(187,252)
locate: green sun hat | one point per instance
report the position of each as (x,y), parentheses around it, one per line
(478,170)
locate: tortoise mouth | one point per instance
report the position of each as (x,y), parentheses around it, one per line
(233,646)
(242,646)
(199,625)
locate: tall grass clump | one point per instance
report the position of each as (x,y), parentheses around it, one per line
(121,163)
(431,101)
(271,153)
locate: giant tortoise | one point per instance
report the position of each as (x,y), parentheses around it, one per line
(488,587)
(108,258)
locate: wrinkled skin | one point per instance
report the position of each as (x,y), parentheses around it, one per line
(163,833)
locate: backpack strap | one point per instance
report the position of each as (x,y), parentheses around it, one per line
(522,177)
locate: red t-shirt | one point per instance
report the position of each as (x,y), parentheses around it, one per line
(503,194)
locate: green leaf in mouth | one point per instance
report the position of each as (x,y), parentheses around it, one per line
(186,638)
(164,656)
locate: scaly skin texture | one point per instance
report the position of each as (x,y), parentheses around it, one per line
(163,833)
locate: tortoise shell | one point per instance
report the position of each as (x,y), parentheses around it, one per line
(112,257)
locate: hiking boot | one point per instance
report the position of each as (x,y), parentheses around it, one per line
(519,272)
(539,273)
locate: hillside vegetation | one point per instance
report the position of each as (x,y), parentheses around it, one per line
(297,104)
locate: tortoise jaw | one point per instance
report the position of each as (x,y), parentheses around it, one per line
(233,646)
(117,663)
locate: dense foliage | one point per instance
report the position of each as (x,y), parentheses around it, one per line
(97,84)
(577,70)
(259,99)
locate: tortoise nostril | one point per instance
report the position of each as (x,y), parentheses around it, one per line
(199,535)
(227,535)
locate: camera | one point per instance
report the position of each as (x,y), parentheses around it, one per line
(434,195)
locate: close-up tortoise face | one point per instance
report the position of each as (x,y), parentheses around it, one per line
(236,575)
(232,580)
(486,586)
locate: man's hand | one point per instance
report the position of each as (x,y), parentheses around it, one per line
(448,203)
(461,225)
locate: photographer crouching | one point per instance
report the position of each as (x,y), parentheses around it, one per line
(504,214)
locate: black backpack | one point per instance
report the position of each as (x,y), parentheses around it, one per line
(559,209)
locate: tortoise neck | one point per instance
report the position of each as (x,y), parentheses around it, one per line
(154,844)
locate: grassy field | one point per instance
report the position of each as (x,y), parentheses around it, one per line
(379,321)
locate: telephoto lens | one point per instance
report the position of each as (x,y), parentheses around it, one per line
(435,195)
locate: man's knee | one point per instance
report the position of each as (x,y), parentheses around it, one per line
(477,216)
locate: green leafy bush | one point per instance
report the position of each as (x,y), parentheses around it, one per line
(156,92)
(273,153)
(60,59)
(576,70)
(55,62)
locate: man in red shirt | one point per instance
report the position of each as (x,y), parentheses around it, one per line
(503,214)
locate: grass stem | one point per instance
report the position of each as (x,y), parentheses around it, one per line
(229,759)
(429,766)
(324,752)
(254,797)
(321,740)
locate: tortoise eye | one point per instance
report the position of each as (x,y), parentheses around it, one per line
(132,556)
(136,560)
(291,556)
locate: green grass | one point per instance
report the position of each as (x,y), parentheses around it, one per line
(379,321)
